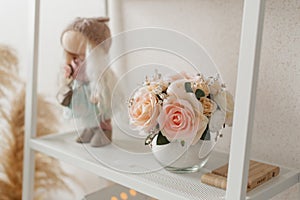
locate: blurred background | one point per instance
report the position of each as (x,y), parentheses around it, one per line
(216,26)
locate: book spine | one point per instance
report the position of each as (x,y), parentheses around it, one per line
(214,180)
(262,177)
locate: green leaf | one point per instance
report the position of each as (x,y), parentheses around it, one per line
(199,93)
(161,140)
(188,87)
(150,138)
(206,134)
(182,142)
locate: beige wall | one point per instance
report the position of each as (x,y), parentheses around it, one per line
(216,25)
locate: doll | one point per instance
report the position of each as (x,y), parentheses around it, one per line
(83,94)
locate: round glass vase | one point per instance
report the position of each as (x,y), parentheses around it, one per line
(179,157)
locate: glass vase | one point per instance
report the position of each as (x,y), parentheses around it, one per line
(179,157)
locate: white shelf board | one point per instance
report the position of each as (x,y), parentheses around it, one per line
(159,184)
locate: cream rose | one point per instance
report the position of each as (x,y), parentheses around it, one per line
(225,101)
(144,110)
(217,121)
(177,89)
(178,120)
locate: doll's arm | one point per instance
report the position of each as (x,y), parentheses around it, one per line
(75,69)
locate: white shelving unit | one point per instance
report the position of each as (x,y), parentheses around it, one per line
(162,184)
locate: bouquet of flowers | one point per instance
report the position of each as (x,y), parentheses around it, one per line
(181,108)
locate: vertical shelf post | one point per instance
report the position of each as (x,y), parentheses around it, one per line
(114,12)
(31,101)
(248,66)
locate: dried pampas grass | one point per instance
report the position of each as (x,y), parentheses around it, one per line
(9,78)
(48,172)
(8,58)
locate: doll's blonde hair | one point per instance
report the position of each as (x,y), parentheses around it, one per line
(102,80)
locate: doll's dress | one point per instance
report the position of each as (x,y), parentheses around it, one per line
(81,106)
(97,126)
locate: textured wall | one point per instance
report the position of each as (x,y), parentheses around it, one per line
(216,25)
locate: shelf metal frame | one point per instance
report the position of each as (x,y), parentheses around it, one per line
(248,66)
(31,100)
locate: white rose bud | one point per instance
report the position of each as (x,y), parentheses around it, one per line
(217,120)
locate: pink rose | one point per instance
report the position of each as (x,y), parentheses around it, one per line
(144,110)
(179,120)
